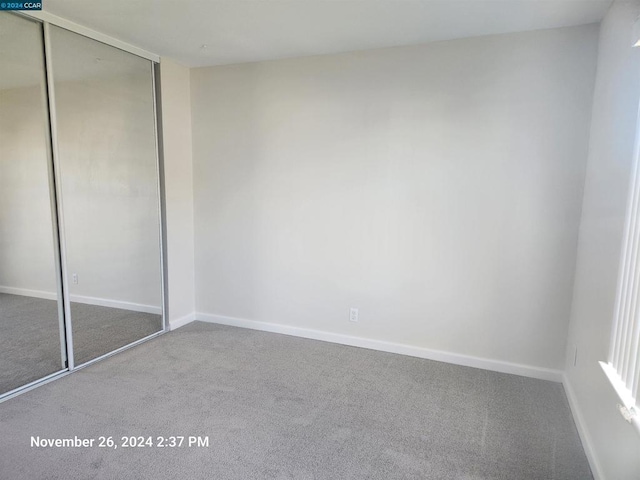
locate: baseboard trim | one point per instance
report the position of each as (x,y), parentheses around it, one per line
(182,321)
(105,302)
(583,432)
(383,346)
(102,302)
(25,292)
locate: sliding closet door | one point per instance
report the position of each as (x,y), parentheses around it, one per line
(31,322)
(108,175)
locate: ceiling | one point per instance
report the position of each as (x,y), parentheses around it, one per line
(237,31)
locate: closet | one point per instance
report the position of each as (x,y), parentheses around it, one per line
(81,244)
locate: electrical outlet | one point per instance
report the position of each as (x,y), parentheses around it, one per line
(75,278)
(353,314)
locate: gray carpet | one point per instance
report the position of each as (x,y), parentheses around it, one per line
(100,330)
(30,341)
(279,407)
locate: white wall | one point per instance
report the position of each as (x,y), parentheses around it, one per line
(435,187)
(176,122)
(27,256)
(107,157)
(27,260)
(106,142)
(615,443)
(109,192)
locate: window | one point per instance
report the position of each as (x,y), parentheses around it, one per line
(623,365)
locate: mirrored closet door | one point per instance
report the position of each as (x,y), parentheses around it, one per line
(81,271)
(108,181)
(32,342)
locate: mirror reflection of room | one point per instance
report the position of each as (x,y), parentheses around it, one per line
(31,327)
(80,236)
(109,188)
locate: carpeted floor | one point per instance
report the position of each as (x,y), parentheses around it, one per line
(279,407)
(30,339)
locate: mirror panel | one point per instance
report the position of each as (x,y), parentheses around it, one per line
(108,174)
(32,344)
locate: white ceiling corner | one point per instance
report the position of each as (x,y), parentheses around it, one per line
(238,31)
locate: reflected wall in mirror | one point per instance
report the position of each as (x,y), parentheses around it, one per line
(108,173)
(31,321)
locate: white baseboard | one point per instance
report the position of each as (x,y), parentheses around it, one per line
(102,302)
(182,321)
(105,302)
(25,292)
(440,356)
(587,444)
